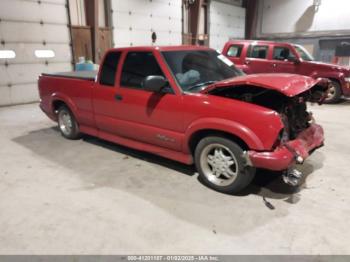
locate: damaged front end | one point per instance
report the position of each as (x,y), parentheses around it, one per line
(300,135)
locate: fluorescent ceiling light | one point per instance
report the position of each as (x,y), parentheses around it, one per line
(7,54)
(44,53)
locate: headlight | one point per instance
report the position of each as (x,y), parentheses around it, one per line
(347,79)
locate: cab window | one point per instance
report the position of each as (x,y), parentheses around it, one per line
(109,68)
(235,51)
(137,66)
(282,53)
(258,51)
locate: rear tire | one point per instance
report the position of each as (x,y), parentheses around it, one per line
(334,93)
(67,123)
(221,165)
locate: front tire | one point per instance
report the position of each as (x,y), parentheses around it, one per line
(67,124)
(334,93)
(221,165)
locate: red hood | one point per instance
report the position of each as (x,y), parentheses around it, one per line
(288,84)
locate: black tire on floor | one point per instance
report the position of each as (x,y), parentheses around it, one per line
(335,93)
(67,123)
(244,174)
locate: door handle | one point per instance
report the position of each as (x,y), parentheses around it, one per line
(118,97)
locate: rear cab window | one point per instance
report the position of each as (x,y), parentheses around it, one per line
(235,51)
(109,69)
(258,51)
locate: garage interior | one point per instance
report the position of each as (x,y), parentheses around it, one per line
(89,196)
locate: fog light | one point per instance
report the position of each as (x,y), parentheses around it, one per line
(299,159)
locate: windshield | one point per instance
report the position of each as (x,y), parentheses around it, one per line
(303,53)
(195,69)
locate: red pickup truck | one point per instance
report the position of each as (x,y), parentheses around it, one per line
(275,57)
(190,104)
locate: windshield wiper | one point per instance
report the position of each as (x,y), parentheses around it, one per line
(200,84)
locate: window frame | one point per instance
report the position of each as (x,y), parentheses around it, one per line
(250,49)
(241,46)
(116,69)
(301,48)
(282,46)
(125,55)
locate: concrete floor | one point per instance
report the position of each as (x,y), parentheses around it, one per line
(92,197)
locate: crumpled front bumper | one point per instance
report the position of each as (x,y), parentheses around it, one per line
(286,155)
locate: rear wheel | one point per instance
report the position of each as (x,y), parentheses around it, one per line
(334,92)
(67,124)
(221,165)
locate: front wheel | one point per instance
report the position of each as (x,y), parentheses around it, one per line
(67,124)
(334,92)
(221,165)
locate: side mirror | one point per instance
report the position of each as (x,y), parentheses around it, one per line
(295,60)
(154,83)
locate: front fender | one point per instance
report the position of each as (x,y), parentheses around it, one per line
(335,75)
(340,76)
(228,126)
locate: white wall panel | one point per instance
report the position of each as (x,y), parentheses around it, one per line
(226,22)
(26,26)
(33,32)
(16,74)
(25,53)
(61,2)
(135,20)
(32,11)
(24,93)
(301,16)
(5,95)
(232,2)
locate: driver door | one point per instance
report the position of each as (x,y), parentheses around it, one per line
(283,60)
(149,117)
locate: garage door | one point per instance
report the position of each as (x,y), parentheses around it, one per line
(34,38)
(134,22)
(226,22)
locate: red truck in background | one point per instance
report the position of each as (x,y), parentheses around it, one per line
(190,104)
(276,57)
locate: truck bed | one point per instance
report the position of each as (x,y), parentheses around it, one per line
(84,75)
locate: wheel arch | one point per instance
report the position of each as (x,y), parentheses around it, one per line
(333,76)
(58,100)
(229,129)
(197,136)
(338,81)
(56,104)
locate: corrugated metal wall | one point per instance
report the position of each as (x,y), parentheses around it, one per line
(135,20)
(27,26)
(226,21)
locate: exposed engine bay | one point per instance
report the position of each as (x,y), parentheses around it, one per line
(293,110)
